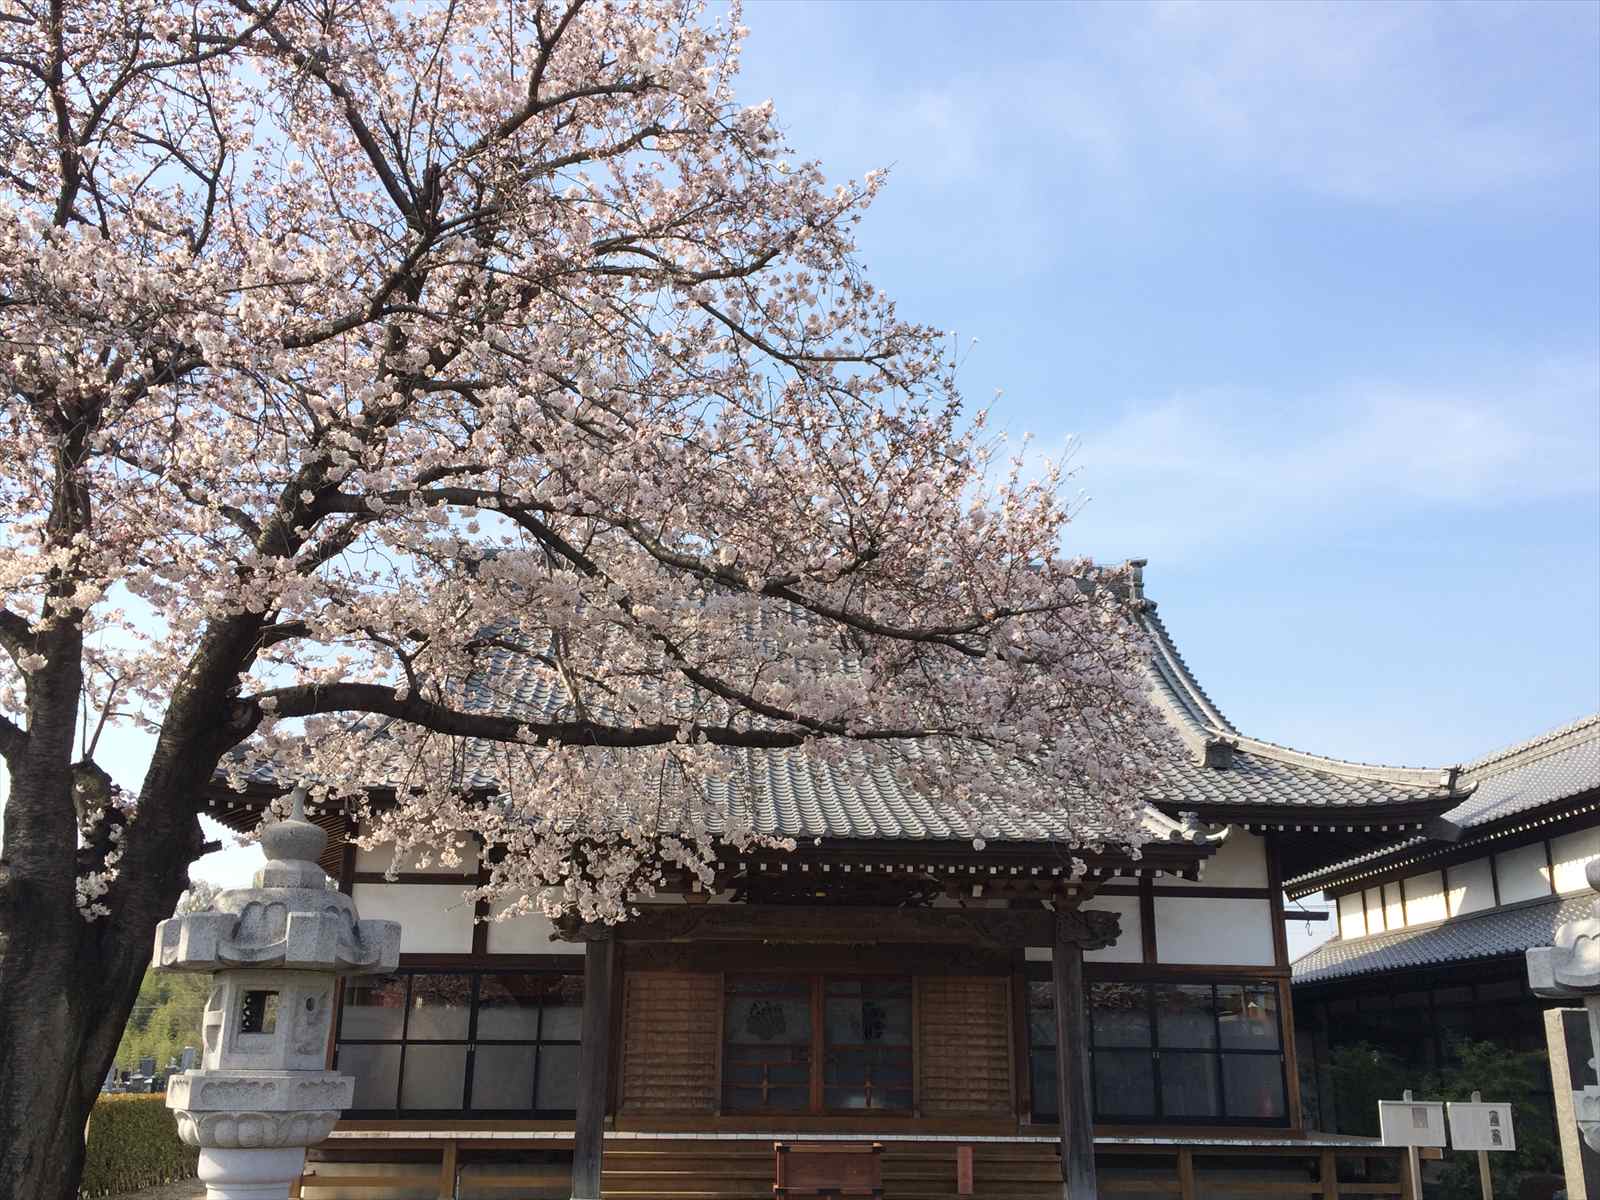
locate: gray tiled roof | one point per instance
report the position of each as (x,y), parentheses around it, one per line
(1554,766)
(1550,769)
(1489,934)
(790,794)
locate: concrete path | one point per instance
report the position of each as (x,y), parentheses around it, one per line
(191,1189)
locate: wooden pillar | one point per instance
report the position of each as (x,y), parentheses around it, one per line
(594,1066)
(1076,931)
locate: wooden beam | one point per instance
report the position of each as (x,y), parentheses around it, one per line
(799,925)
(1076,932)
(594,1069)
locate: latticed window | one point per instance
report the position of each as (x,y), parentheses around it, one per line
(450,1042)
(1202,1053)
(813,1043)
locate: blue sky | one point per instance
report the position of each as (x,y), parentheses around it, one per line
(1317,290)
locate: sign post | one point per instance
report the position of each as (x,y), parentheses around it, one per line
(1412,1124)
(1481,1127)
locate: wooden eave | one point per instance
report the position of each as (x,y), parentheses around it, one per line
(1312,836)
(1531,825)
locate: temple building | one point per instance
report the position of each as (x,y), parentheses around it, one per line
(956,1019)
(1433,926)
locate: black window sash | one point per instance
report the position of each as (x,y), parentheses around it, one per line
(470,1042)
(1218,1053)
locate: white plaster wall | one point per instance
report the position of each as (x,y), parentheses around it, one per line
(532,934)
(1571,853)
(1214,932)
(433,917)
(1352,921)
(380,858)
(1523,873)
(1425,898)
(1241,861)
(1471,887)
(1377,916)
(1394,909)
(1130,943)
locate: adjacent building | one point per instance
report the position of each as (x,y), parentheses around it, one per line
(1432,926)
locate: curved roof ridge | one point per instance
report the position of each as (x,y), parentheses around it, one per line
(1434,779)
(1201,709)
(1550,742)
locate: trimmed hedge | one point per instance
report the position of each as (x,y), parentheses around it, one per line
(133,1144)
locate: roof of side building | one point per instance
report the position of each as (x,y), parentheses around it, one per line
(1556,769)
(1493,933)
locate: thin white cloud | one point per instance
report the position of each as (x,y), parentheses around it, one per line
(1202,469)
(1373,102)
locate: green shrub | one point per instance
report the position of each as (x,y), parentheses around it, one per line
(1362,1075)
(133,1144)
(1518,1078)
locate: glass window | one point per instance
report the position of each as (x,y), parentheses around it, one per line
(780,1030)
(492,1042)
(1186,1016)
(1179,1052)
(1119,1014)
(432,1076)
(377,1072)
(502,1076)
(1189,1085)
(766,1062)
(1042,1050)
(867,1026)
(1124,1085)
(1254,1086)
(1248,1016)
(441,1007)
(374,1007)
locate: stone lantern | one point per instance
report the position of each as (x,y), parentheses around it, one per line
(1570,970)
(262,1093)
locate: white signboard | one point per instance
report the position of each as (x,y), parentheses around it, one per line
(1411,1122)
(1481,1126)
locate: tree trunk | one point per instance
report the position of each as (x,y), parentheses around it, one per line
(67,986)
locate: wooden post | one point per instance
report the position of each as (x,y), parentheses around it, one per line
(1186,1174)
(1076,932)
(1484,1178)
(447,1173)
(1330,1175)
(594,1066)
(1413,1162)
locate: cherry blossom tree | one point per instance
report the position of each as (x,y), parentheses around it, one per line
(351,348)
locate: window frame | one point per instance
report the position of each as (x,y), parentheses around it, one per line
(1218,1051)
(818,1046)
(470,1042)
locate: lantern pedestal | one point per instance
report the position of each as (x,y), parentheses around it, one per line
(262,1093)
(253,1174)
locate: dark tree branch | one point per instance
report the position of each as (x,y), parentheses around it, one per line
(312,699)
(13,740)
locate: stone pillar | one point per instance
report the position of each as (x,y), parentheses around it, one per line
(1570,970)
(1076,931)
(274,951)
(594,1063)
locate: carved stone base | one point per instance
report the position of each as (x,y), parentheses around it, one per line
(242,1110)
(250,1174)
